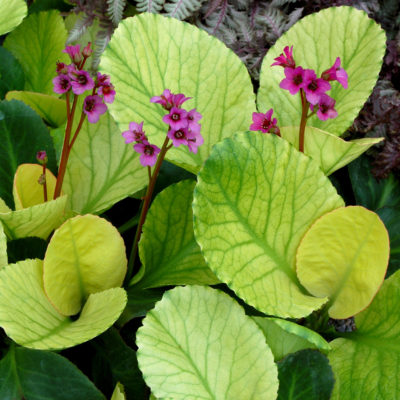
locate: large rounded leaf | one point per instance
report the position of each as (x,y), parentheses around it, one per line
(366,363)
(255,198)
(285,337)
(317,40)
(85,255)
(39,42)
(344,256)
(27,190)
(328,150)
(150,53)
(39,220)
(12,12)
(198,343)
(31,321)
(168,250)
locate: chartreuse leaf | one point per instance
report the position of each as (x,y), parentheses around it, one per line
(12,12)
(305,375)
(344,256)
(23,134)
(366,362)
(37,375)
(3,248)
(150,53)
(39,42)
(30,320)
(317,41)
(27,190)
(198,343)
(256,197)
(284,337)
(169,229)
(119,393)
(328,150)
(51,109)
(102,169)
(39,220)
(11,73)
(86,255)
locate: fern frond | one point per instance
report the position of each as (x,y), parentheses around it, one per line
(151,6)
(182,9)
(81,25)
(115,10)
(102,39)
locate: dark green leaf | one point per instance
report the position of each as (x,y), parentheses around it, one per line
(21,249)
(123,364)
(11,73)
(22,135)
(368,191)
(305,375)
(139,302)
(42,375)
(44,5)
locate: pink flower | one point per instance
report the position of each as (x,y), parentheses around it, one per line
(74,53)
(102,80)
(194,140)
(93,107)
(263,122)
(135,133)
(108,92)
(335,73)
(193,116)
(87,51)
(325,108)
(61,84)
(285,59)
(177,118)
(178,136)
(294,80)
(148,153)
(314,87)
(81,81)
(169,100)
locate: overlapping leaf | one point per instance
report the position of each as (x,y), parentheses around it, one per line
(285,337)
(30,320)
(169,229)
(317,40)
(344,256)
(39,42)
(150,53)
(366,362)
(102,169)
(198,343)
(255,198)
(11,74)
(328,150)
(86,255)
(12,12)
(3,248)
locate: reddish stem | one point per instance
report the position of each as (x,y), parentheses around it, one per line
(304,110)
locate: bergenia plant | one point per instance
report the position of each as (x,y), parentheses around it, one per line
(253,273)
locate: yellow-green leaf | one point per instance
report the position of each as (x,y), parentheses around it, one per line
(119,392)
(255,198)
(3,248)
(12,12)
(27,190)
(37,44)
(344,256)
(85,255)
(50,108)
(328,150)
(149,53)
(39,220)
(31,321)
(102,169)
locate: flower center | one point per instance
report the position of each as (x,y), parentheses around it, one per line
(266,124)
(175,117)
(82,79)
(148,150)
(64,83)
(89,105)
(179,134)
(297,80)
(313,85)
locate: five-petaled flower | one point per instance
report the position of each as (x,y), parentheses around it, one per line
(336,73)
(148,153)
(285,59)
(93,107)
(325,108)
(135,133)
(81,81)
(294,80)
(169,100)
(264,123)
(74,53)
(61,83)
(314,87)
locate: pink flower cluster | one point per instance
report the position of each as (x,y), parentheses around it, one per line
(148,152)
(265,123)
(183,128)
(74,78)
(314,88)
